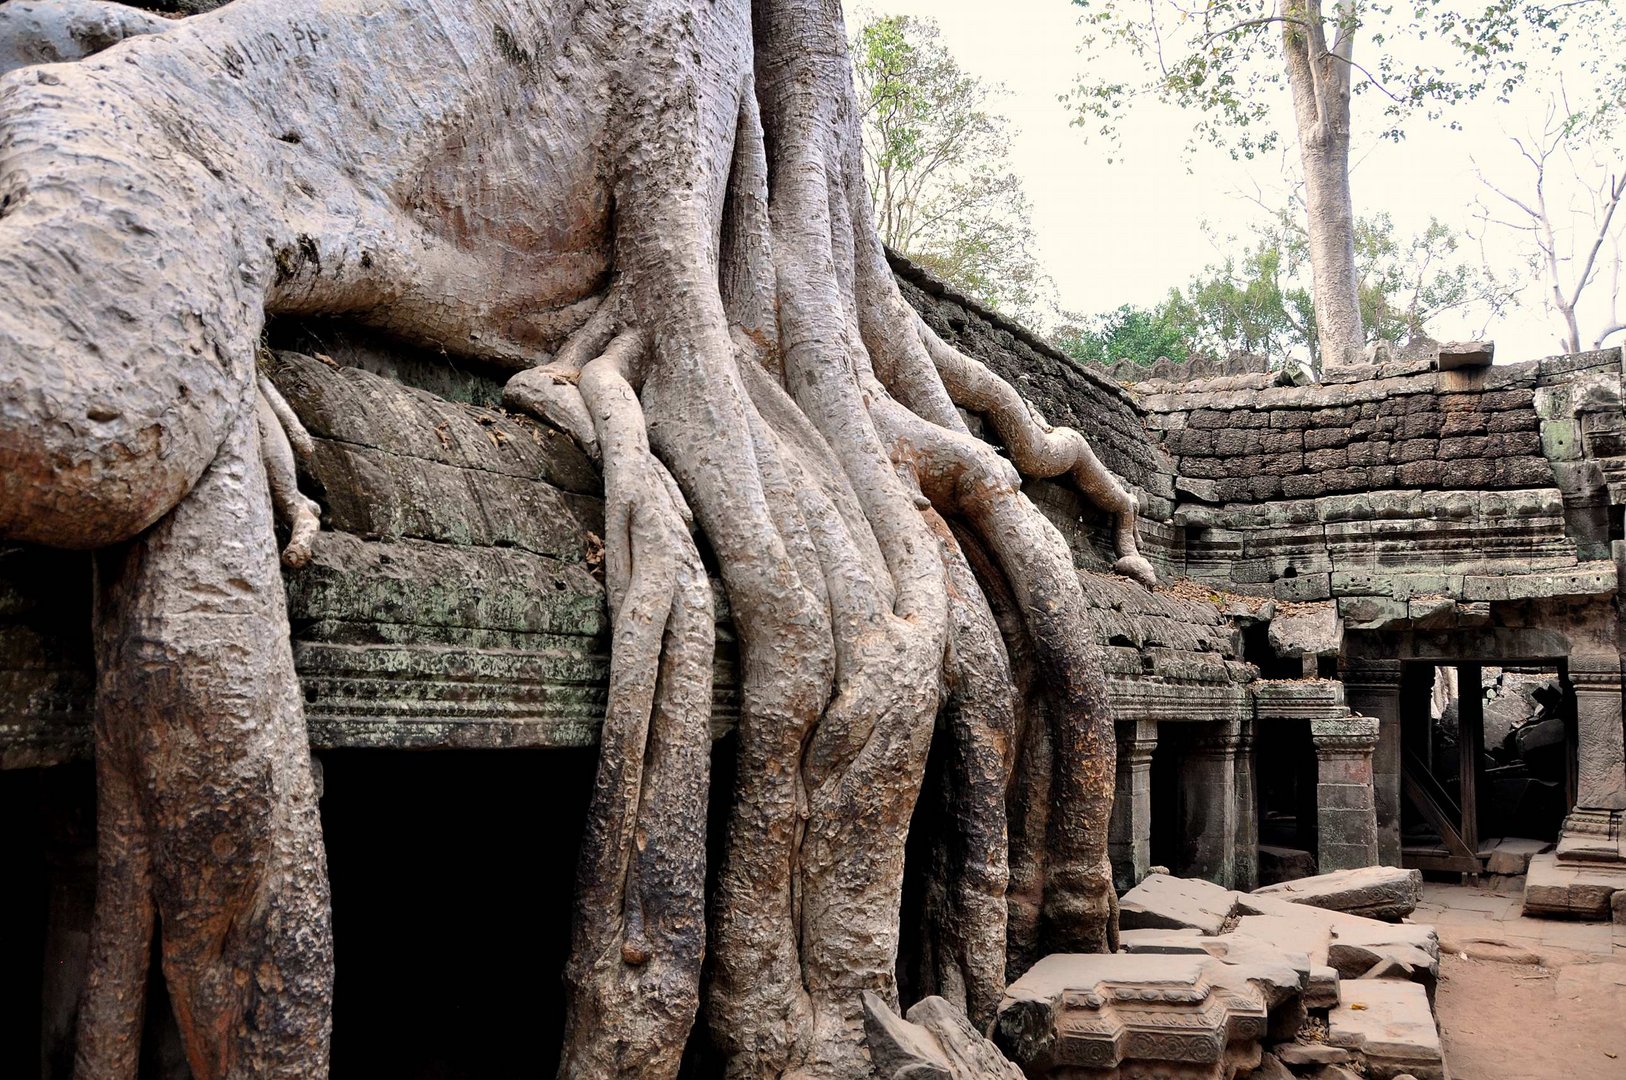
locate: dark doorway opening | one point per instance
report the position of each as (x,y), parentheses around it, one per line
(452,875)
(1286,768)
(1488,754)
(1167,800)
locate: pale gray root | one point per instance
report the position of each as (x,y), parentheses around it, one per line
(964,924)
(1040,450)
(205,782)
(639,934)
(302,517)
(56,31)
(936,1042)
(464,201)
(966,477)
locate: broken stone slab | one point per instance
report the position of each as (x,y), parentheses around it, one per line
(1389,1026)
(1296,1055)
(1318,980)
(1162,902)
(1370,953)
(1333,1072)
(1279,864)
(1350,944)
(1183,941)
(1457,355)
(1076,1015)
(936,1042)
(1571,890)
(1270,1068)
(1511,856)
(1377,892)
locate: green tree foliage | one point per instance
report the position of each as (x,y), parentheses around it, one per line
(1223,58)
(1143,335)
(1257,299)
(936,159)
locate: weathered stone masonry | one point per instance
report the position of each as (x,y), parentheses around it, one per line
(1318,540)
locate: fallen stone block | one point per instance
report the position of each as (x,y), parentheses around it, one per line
(1308,1055)
(1317,982)
(1351,945)
(1185,940)
(1279,864)
(1389,1026)
(1270,1068)
(1162,902)
(1377,892)
(936,1042)
(1511,857)
(1146,1016)
(1333,1072)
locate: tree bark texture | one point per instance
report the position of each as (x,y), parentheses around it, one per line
(1318,72)
(652,213)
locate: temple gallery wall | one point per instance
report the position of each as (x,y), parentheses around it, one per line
(1387,632)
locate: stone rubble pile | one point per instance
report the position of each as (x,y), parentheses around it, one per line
(1294,980)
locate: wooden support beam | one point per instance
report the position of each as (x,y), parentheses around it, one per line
(1470,748)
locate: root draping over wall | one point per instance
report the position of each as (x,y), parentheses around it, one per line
(653,214)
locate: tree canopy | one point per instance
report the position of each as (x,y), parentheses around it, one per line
(1223,58)
(937,163)
(1257,298)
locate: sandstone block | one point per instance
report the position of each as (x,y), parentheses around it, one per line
(1143,1016)
(1459,355)
(1163,902)
(1279,864)
(1308,1055)
(1390,1027)
(936,1042)
(1580,891)
(1379,892)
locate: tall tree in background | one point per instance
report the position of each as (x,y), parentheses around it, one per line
(1228,60)
(938,169)
(1566,210)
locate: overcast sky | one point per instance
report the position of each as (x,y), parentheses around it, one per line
(1125,232)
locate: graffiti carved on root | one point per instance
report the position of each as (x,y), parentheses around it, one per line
(652,213)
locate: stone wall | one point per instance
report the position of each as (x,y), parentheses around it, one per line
(452,599)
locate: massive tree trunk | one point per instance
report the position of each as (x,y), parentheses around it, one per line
(653,213)
(1318,71)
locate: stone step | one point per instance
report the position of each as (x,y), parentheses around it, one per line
(1573,890)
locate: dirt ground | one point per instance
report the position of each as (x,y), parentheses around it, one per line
(1521,1006)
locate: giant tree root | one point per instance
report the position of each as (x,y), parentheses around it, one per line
(205,803)
(730,342)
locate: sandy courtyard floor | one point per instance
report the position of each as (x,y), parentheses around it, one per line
(1526,999)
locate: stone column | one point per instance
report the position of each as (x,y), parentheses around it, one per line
(1208,809)
(1346,811)
(1247,812)
(1130,837)
(1372,689)
(1601,747)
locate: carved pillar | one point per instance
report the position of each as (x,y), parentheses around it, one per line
(1208,797)
(1130,838)
(1346,810)
(1601,784)
(1247,812)
(1372,689)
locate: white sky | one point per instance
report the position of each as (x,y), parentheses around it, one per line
(1120,233)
